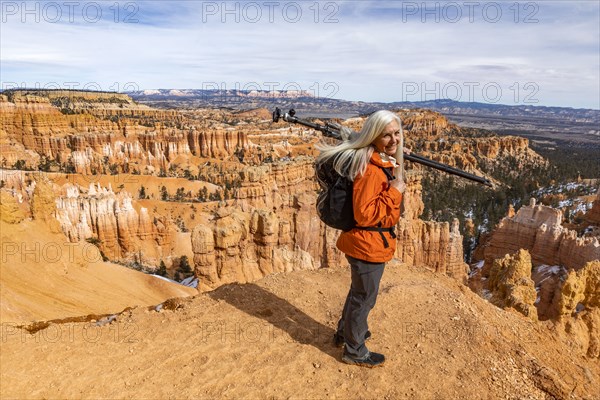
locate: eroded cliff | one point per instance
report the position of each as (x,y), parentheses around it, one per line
(92,133)
(539,230)
(232,191)
(568,301)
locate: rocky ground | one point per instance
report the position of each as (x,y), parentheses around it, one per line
(272,339)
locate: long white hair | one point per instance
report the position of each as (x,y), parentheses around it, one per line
(352,155)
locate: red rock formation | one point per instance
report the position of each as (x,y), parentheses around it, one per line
(10,211)
(579,307)
(538,229)
(93,131)
(273,228)
(245,246)
(593,215)
(434,245)
(423,122)
(270,227)
(124,234)
(571,300)
(511,285)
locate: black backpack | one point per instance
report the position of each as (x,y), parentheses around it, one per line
(334,202)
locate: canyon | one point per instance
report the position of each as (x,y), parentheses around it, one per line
(120,186)
(230,190)
(96,153)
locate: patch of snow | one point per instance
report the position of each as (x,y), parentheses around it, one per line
(573,185)
(475,268)
(163,278)
(568,187)
(483,227)
(565,203)
(191,281)
(549,269)
(106,320)
(583,207)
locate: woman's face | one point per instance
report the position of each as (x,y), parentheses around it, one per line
(389,140)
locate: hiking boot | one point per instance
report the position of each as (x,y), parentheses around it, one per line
(339,340)
(371,360)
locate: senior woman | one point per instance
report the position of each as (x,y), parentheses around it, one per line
(372,159)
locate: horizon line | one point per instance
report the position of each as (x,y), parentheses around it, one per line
(294,91)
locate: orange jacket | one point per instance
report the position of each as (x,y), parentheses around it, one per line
(374,202)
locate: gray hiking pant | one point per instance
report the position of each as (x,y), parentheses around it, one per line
(361,299)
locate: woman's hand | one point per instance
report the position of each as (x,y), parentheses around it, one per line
(398,184)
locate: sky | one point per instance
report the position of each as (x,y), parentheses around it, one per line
(544,53)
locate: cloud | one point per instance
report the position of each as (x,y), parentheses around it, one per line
(371,51)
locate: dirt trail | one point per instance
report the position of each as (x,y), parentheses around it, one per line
(273,339)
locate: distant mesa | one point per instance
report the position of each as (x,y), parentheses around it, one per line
(217,93)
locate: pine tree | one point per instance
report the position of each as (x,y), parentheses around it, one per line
(180,194)
(162,269)
(164,195)
(184,269)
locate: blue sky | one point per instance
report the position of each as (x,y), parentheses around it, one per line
(505,52)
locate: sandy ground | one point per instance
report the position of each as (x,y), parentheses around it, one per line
(273,339)
(45,277)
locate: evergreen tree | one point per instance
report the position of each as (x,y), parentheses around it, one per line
(185,269)
(201,196)
(180,194)
(162,269)
(164,195)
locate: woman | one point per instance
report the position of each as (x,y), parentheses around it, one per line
(368,159)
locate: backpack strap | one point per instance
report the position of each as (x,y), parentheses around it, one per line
(388,173)
(390,176)
(379,229)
